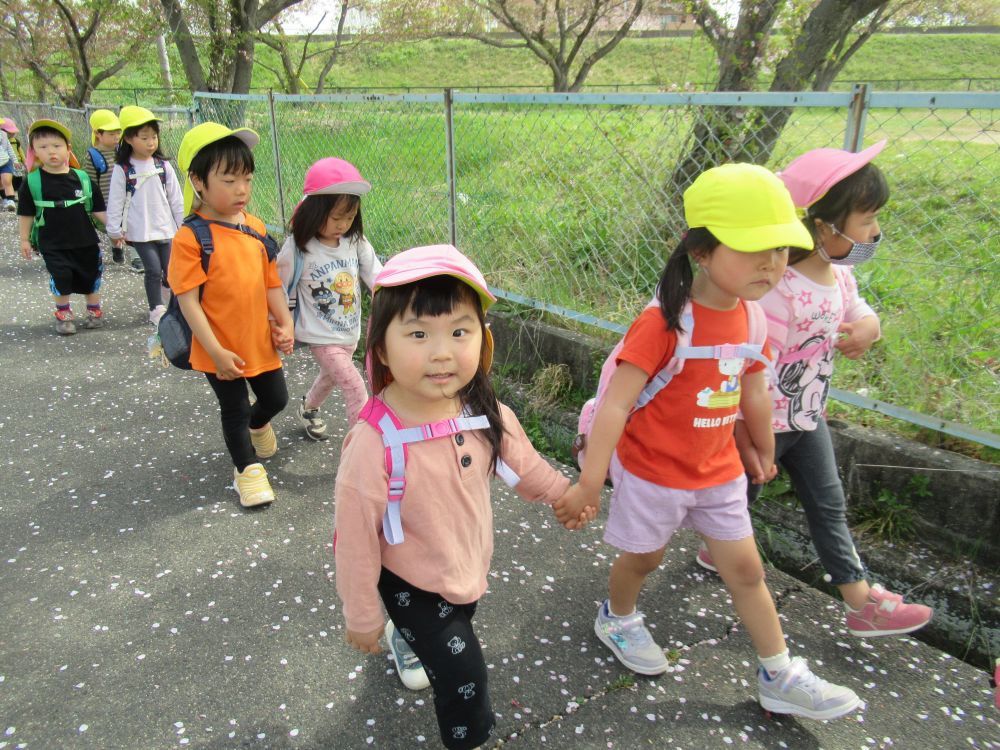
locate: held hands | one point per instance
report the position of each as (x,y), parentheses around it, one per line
(758,465)
(282,337)
(577,507)
(367,643)
(228,365)
(856,338)
(119,243)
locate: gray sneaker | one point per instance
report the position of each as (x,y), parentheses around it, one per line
(796,690)
(94,319)
(408,665)
(64,323)
(630,641)
(310,420)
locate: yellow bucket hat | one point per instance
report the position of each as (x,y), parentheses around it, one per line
(132,116)
(103,119)
(746,207)
(59,128)
(196,139)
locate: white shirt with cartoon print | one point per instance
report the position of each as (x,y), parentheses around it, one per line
(329,303)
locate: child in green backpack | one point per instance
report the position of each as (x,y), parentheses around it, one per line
(55,204)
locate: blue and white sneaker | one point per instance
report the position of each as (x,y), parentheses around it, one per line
(630,641)
(796,690)
(411,671)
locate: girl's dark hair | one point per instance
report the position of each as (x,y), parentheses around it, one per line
(124,151)
(311,214)
(864,190)
(44,130)
(437,295)
(674,288)
(226,155)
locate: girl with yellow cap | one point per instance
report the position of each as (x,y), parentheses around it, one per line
(145,205)
(672,457)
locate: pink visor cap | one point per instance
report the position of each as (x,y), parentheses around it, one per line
(433,260)
(810,176)
(332,176)
(8,126)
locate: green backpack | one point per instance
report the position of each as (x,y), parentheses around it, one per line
(34,178)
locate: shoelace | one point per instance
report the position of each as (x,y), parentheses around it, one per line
(410,659)
(631,626)
(798,673)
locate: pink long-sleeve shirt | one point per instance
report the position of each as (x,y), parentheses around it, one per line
(446,513)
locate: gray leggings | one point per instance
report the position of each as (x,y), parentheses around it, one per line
(811,465)
(155,256)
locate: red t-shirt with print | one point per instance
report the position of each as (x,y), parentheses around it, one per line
(683,438)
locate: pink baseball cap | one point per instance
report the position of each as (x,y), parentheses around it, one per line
(810,176)
(332,176)
(433,260)
(8,125)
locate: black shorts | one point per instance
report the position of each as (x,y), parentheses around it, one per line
(74,270)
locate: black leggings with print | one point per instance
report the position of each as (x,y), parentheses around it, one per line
(441,634)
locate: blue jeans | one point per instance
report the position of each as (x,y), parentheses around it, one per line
(811,465)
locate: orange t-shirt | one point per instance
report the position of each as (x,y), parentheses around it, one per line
(235,295)
(683,438)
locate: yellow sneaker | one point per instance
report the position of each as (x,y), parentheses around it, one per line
(264,441)
(253,486)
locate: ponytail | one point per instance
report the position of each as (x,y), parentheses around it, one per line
(674,289)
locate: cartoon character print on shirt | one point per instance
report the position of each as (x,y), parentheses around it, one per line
(343,284)
(728,394)
(804,385)
(323,297)
(468,692)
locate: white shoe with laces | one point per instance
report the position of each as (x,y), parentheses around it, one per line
(796,690)
(630,641)
(411,671)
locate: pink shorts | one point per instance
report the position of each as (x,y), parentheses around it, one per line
(644,515)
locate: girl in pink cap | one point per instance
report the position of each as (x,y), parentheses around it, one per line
(814,312)
(320,265)
(414,525)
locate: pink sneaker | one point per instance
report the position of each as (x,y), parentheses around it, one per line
(886,614)
(704,558)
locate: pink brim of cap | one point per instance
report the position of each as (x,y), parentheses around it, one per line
(433,260)
(810,176)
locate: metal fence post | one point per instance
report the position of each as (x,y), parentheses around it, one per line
(277,160)
(449,131)
(857,113)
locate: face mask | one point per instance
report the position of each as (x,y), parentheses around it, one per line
(859,253)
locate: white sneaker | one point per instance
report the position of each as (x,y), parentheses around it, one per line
(252,486)
(630,641)
(156,313)
(411,671)
(9,205)
(796,690)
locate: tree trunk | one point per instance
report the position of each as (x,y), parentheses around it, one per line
(185,45)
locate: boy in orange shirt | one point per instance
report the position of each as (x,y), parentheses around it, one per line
(227,304)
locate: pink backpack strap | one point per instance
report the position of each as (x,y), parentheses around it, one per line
(840,274)
(395,439)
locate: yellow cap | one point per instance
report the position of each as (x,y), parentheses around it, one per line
(58,127)
(746,207)
(133,116)
(103,119)
(196,139)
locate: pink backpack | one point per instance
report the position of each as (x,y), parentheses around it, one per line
(396,440)
(756,324)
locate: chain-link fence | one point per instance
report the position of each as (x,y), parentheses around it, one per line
(571,202)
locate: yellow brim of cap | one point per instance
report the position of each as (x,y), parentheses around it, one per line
(51,124)
(755,239)
(196,139)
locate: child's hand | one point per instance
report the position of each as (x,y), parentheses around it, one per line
(228,365)
(26,249)
(576,508)
(365,642)
(119,243)
(857,337)
(759,467)
(282,337)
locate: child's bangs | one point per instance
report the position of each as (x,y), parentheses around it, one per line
(439,295)
(233,156)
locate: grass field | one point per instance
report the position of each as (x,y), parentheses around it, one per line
(647,63)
